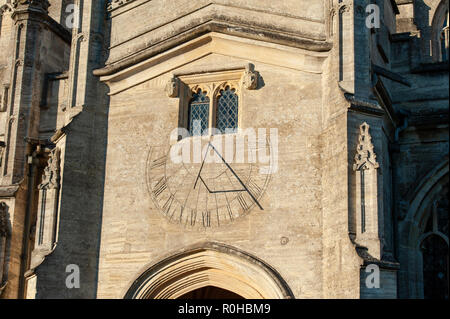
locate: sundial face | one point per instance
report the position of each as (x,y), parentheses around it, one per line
(209,181)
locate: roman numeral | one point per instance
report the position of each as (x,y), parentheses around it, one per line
(193,217)
(160,187)
(218,219)
(254,188)
(181,213)
(230,212)
(173,213)
(158,162)
(243,202)
(206,219)
(168,204)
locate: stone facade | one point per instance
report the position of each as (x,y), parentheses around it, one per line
(361,150)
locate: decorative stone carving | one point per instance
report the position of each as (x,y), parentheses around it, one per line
(47,215)
(6,7)
(221,86)
(114,4)
(4,98)
(51,177)
(344,7)
(250,79)
(365,157)
(366,194)
(37,4)
(173,87)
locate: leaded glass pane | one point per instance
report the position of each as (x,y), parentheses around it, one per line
(429,224)
(227,111)
(198,113)
(435,267)
(442,211)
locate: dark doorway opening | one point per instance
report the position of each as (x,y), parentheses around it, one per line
(435,267)
(211,292)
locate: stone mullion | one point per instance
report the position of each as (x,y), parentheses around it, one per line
(346,40)
(77,38)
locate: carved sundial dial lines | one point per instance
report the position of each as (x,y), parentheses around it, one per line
(208,192)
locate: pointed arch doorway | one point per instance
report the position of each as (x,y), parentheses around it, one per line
(210,271)
(423,239)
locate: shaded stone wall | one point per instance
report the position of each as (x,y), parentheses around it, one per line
(137,233)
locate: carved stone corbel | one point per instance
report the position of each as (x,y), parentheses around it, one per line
(47,215)
(250,79)
(173,87)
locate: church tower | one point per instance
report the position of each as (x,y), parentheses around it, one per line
(223,149)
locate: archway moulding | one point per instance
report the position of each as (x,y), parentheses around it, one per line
(411,228)
(418,198)
(209,264)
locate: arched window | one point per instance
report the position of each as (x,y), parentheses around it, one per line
(221,90)
(227,111)
(441,32)
(434,248)
(198,113)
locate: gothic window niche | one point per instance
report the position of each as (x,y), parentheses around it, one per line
(47,215)
(366,195)
(440,33)
(211,102)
